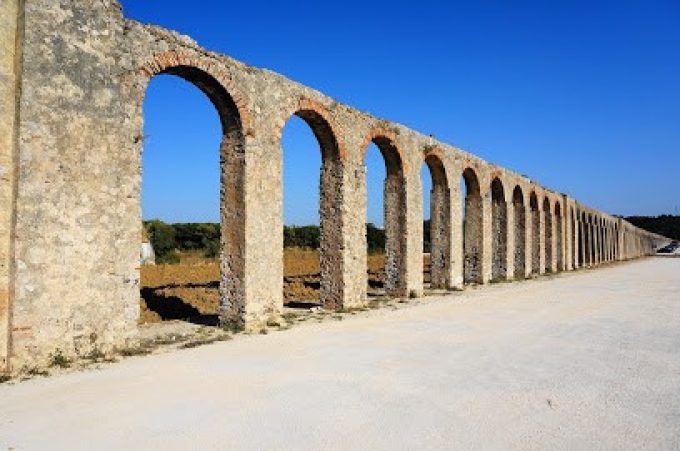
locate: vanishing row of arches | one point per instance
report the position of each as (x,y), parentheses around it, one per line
(479,231)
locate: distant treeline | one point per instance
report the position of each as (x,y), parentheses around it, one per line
(666,225)
(167,239)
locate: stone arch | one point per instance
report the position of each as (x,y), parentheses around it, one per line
(203,73)
(473,229)
(395,161)
(331,223)
(559,240)
(548,234)
(520,232)
(234,119)
(499,231)
(440,222)
(319,119)
(394,204)
(535,233)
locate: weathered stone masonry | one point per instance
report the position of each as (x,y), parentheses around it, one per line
(73,74)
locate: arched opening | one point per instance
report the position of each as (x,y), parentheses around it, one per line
(520,232)
(312,230)
(192,200)
(535,234)
(499,231)
(437,224)
(472,227)
(548,232)
(386,240)
(559,244)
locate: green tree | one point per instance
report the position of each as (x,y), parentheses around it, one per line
(162,238)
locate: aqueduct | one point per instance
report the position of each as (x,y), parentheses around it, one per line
(73,78)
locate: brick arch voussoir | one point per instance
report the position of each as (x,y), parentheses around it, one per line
(538,192)
(551,203)
(481,173)
(381,132)
(523,187)
(160,62)
(505,184)
(305,104)
(438,153)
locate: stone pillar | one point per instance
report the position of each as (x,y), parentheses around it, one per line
(596,244)
(541,240)
(605,232)
(251,289)
(575,240)
(617,243)
(456,236)
(555,242)
(399,259)
(592,241)
(487,236)
(587,243)
(414,235)
(510,240)
(603,244)
(10,53)
(440,256)
(568,237)
(528,240)
(354,253)
(342,236)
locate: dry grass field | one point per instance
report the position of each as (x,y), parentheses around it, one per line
(190,289)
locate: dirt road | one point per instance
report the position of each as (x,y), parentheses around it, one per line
(587,360)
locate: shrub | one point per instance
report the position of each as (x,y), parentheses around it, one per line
(162,237)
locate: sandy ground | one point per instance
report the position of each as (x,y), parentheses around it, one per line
(587,360)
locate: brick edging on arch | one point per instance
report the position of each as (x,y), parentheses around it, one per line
(159,62)
(439,153)
(306,104)
(381,132)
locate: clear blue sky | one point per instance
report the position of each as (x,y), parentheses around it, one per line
(583,96)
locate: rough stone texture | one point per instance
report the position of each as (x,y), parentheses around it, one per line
(520,250)
(10,30)
(499,231)
(440,223)
(70,173)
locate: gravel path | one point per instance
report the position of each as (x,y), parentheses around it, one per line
(587,360)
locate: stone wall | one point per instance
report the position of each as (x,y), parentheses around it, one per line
(76,256)
(70,184)
(11,28)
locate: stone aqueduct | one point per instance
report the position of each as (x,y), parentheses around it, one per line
(73,76)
